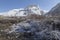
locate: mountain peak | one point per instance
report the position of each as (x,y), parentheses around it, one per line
(34,9)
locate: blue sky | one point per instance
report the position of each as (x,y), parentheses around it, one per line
(6,5)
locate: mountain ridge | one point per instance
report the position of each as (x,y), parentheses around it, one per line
(55,11)
(31,9)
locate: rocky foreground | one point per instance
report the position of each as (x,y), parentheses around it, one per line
(44,29)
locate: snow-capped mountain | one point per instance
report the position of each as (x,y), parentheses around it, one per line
(31,9)
(34,9)
(55,10)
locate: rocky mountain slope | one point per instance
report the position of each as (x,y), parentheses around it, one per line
(55,11)
(34,30)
